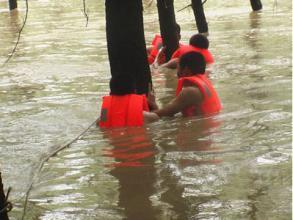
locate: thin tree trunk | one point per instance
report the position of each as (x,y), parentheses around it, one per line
(3,215)
(256,5)
(126,42)
(167,26)
(199,15)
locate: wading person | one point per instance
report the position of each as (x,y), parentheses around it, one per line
(195,94)
(197,43)
(157,44)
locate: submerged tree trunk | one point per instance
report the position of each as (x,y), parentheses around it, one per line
(167,26)
(256,5)
(3,215)
(126,42)
(12,4)
(199,15)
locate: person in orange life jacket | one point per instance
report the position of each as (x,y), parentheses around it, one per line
(123,107)
(198,43)
(157,44)
(195,94)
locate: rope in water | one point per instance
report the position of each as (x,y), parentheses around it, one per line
(19,34)
(24,22)
(45,159)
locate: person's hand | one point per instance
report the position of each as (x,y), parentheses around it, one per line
(149,49)
(160,58)
(152,100)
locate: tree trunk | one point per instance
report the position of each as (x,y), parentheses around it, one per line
(256,5)
(199,15)
(167,26)
(12,4)
(126,42)
(3,216)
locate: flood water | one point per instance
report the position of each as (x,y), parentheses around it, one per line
(236,165)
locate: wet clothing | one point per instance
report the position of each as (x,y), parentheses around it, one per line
(124,110)
(188,48)
(211,103)
(157,44)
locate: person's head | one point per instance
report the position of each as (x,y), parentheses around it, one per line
(199,41)
(178,31)
(121,85)
(191,63)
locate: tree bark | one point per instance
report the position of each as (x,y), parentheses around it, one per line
(126,42)
(167,26)
(12,4)
(3,216)
(199,15)
(256,5)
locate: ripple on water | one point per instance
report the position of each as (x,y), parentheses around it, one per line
(216,209)
(273,158)
(240,169)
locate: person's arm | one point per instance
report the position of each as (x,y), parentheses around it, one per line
(149,49)
(150,117)
(171,64)
(151,99)
(188,96)
(160,58)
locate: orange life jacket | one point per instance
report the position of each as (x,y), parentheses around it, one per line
(211,102)
(157,43)
(121,111)
(188,48)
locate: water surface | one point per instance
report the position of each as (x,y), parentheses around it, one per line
(236,165)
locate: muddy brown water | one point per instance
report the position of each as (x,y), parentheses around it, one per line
(236,165)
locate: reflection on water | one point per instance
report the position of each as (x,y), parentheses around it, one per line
(134,168)
(252,38)
(190,150)
(132,147)
(236,165)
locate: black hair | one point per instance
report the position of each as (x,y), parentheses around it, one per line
(121,85)
(199,41)
(194,61)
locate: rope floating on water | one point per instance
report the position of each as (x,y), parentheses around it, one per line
(45,159)
(19,34)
